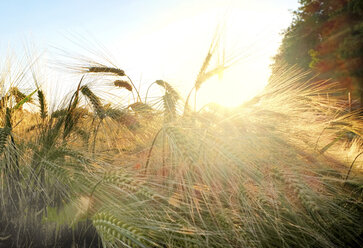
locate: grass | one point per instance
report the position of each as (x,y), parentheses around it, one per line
(157,174)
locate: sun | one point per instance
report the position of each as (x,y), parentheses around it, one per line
(174,50)
(237,85)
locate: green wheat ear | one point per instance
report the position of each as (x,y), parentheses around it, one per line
(125,181)
(113,230)
(43,105)
(59,113)
(4,132)
(95,101)
(8,118)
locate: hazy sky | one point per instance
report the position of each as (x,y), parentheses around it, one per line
(155,39)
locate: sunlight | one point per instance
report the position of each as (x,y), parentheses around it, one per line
(156,128)
(249,76)
(235,87)
(176,47)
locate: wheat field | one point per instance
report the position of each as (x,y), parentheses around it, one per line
(282,170)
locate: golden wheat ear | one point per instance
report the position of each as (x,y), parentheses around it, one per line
(105,69)
(116,72)
(123,84)
(169,89)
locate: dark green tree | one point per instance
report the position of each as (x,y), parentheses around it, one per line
(327,37)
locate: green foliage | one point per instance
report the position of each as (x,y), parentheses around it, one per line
(24,100)
(17,94)
(314,58)
(327,37)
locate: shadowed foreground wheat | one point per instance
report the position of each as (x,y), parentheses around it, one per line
(92,174)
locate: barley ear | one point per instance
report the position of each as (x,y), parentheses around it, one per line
(43,105)
(114,230)
(105,69)
(202,71)
(95,101)
(8,118)
(4,132)
(123,84)
(169,99)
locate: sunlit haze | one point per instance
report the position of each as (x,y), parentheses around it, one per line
(153,40)
(181,123)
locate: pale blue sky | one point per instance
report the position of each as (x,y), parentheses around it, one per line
(46,19)
(153,39)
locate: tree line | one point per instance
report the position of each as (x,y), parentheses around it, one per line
(326,37)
